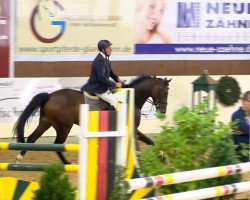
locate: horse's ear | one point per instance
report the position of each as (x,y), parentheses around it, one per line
(166,81)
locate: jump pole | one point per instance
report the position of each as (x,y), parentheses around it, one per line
(40,147)
(35,167)
(206,192)
(187,176)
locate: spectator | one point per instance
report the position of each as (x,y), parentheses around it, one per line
(241,133)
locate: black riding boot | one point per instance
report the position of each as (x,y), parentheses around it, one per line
(111,107)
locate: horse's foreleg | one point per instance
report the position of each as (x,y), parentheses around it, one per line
(144,138)
(147,140)
(41,128)
(139,135)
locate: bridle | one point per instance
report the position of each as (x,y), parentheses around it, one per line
(157,102)
(154,104)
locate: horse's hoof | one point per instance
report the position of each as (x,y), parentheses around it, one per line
(150,142)
(66,163)
(163,158)
(19,158)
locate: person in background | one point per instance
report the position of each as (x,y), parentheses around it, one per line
(241,133)
(149,15)
(99,82)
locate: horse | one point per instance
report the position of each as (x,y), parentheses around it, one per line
(60,109)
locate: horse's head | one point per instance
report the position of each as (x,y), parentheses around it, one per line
(160,95)
(46,8)
(151,86)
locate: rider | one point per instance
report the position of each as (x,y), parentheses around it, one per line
(99,83)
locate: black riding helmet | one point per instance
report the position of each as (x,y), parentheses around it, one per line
(103,44)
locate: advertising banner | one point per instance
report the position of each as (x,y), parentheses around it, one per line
(139,29)
(195,27)
(73,27)
(4,37)
(16,93)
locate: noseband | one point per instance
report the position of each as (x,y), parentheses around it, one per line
(157,102)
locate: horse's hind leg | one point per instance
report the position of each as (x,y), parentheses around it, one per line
(61,136)
(41,128)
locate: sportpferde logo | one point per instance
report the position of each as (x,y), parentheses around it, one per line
(49,7)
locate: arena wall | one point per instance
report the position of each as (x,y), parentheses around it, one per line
(180,94)
(135,68)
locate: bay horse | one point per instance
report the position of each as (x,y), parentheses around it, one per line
(60,109)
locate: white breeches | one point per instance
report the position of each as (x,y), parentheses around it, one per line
(109,97)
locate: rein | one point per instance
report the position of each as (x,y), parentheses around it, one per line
(153,104)
(156,102)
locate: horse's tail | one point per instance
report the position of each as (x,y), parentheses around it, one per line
(37,102)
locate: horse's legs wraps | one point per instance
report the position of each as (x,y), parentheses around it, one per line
(144,138)
(41,128)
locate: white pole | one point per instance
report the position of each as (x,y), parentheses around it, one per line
(121,151)
(187,176)
(207,192)
(84,121)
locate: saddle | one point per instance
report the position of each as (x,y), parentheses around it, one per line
(91,96)
(95,102)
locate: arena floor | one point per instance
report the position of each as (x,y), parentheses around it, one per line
(42,157)
(37,157)
(51,157)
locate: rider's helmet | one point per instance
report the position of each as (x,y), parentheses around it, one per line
(103,44)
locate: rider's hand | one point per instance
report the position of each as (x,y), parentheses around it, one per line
(238,132)
(120,81)
(118,85)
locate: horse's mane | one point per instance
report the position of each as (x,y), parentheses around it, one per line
(140,79)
